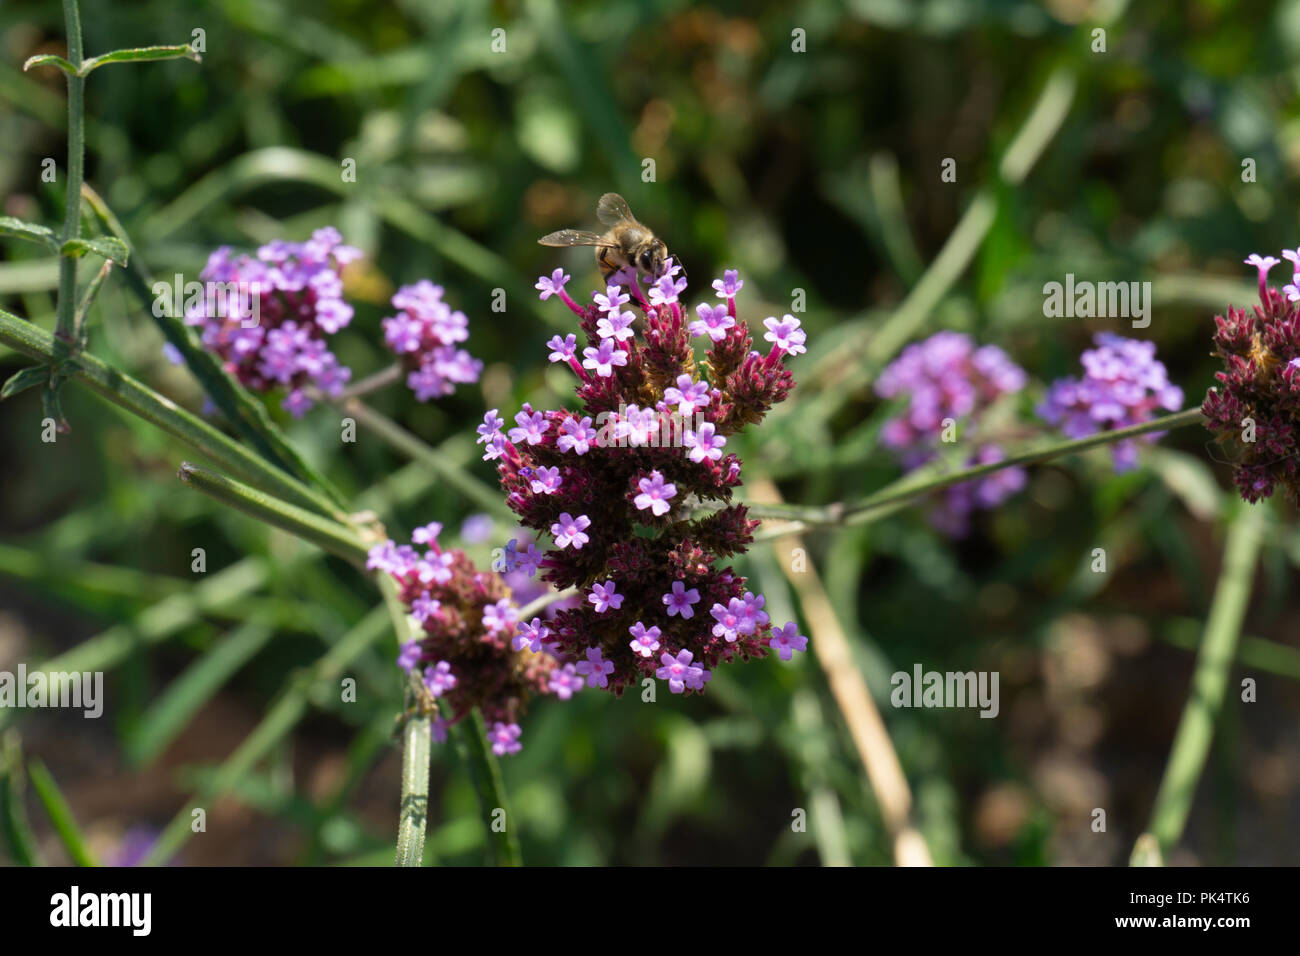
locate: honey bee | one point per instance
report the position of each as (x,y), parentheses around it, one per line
(627,245)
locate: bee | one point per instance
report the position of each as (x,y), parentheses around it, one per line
(627,245)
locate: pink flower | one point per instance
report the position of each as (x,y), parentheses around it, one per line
(655,493)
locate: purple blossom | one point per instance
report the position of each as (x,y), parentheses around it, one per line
(569,530)
(596,669)
(785,334)
(612,301)
(605,596)
(714,321)
(532,426)
(680,601)
(730,620)
(705,443)
(687,395)
(500,617)
(645,641)
(552,284)
(616,326)
(655,493)
(562,350)
(603,359)
(427,534)
(666,289)
(531,635)
(546,481)
(439,679)
(680,672)
(565,681)
(729,285)
(576,435)
(490,429)
(424,607)
(752,615)
(423,335)
(409,656)
(786,640)
(505,738)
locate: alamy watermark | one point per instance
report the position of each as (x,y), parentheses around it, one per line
(79,690)
(219,300)
(1101,300)
(922,688)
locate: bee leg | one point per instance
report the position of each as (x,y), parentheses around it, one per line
(607,268)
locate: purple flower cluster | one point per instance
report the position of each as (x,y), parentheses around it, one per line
(267,316)
(947,378)
(469,655)
(1255,409)
(1123,384)
(616,485)
(424,334)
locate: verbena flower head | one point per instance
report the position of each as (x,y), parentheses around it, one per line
(473,650)
(1123,384)
(1255,409)
(947,377)
(298,293)
(613,490)
(424,334)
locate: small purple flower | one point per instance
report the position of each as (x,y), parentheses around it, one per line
(705,443)
(730,620)
(565,682)
(645,641)
(528,559)
(427,534)
(786,334)
(687,395)
(532,426)
(409,657)
(596,668)
(666,289)
(477,528)
(616,326)
(531,635)
(500,617)
(562,350)
(551,285)
(752,615)
(786,640)
(546,481)
(679,601)
(424,607)
(605,596)
(655,493)
(576,435)
(569,530)
(679,671)
(729,285)
(439,679)
(490,430)
(613,300)
(713,321)
(505,738)
(603,359)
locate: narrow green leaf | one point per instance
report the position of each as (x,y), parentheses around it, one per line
(49,59)
(24,379)
(415,792)
(60,814)
(105,247)
(14,827)
(196,685)
(31,231)
(140,54)
(485,772)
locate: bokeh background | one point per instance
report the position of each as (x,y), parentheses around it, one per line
(817,171)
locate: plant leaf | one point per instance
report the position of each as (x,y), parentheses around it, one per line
(24,379)
(105,247)
(49,59)
(32,232)
(138,54)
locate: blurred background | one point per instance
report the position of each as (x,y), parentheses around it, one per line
(816,171)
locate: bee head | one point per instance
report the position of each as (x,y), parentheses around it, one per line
(651,259)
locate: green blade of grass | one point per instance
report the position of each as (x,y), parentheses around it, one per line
(60,814)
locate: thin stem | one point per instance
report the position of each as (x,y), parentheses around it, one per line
(870,737)
(537,605)
(924,481)
(324,533)
(416,448)
(1210,680)
(417,745)
(372,383)
(76,169)
(486,774)
(142,401)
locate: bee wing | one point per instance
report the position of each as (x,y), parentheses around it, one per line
(573,237)
(613,209)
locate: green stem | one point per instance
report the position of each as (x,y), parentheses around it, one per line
(76,168)
(486,774)
(60,814)
(415,792)
(415,448)
(323,532)
(537,605)
(142,401)
(1210,679)
(911,486)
